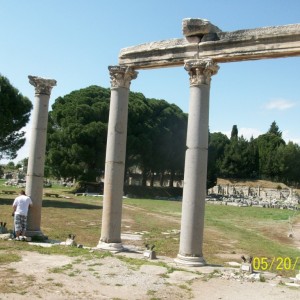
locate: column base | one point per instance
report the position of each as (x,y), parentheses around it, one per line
(190,261)
(36,234)
(113,247)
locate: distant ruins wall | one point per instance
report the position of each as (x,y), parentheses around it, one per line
(269,195)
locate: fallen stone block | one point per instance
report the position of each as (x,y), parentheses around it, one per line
(150,254)
(5,236)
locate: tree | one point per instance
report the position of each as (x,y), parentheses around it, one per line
(24,162)
(289,163)
(252,163)
(169,139)
(10,166)
(156,137)
(139,134)
(14,115)
(268,144)
(216,147)
(274,129)
(240,159)
(234,132)
(77,133)
(234,156)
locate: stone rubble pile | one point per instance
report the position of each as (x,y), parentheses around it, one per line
(244,196)
(239,275)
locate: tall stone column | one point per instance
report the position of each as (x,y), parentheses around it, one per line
(115,158)
(35,170)
(195,172)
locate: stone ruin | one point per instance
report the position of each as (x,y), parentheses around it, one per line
(243,196)
(200,51)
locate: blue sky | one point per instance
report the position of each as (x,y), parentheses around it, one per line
(75,41)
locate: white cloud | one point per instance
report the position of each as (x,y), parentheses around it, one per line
(279,104)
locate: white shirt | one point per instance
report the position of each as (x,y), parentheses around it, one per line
(22,203)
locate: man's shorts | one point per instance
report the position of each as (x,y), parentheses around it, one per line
(20,222)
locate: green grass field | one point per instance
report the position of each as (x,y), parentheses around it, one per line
(229,231)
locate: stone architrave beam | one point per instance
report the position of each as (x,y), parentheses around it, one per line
(204,40)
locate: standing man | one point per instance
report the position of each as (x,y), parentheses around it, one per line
(20,207)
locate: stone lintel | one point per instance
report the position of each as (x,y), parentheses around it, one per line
(198,27)
(158,54)
(240,45)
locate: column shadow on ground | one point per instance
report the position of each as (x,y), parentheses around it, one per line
(68,204)
(58,204)
(6,201)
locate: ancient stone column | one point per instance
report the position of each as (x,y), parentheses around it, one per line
(115,158)
(35,170)
(195,172)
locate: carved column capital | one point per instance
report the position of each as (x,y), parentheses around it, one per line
(200,70)
(42,85)
(121,76)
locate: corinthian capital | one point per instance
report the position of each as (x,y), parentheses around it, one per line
(201,70)
(121,76)
(42,85)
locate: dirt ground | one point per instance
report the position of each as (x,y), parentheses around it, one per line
(40,276)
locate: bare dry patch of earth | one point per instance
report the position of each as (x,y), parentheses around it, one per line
(41,276)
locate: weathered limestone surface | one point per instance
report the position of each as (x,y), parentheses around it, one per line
(195,170)
(115,158)
(196,27)
(202,42)
(203,47)
(35,172)
(158,54)
(42,86)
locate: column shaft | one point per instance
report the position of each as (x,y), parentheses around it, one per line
(195,172)
(36,162)
(115,159)
(114,166)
